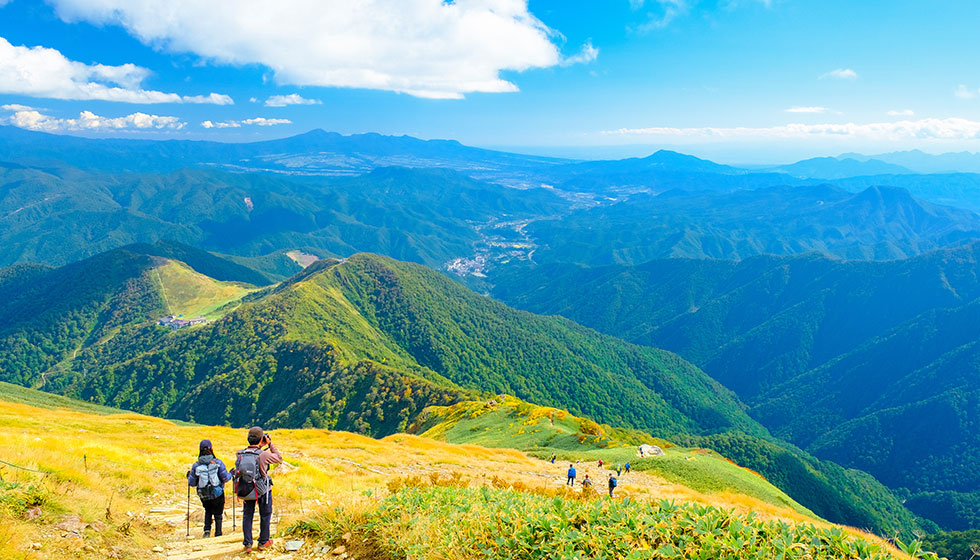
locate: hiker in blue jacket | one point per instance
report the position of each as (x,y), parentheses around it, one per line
(571,475)
(209,475)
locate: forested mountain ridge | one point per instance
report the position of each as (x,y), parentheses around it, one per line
(367,308)
(56,215)
(878,223)
(870,364)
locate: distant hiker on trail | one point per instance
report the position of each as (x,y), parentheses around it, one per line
(553,457)
(254,486)
(627,468)
(571,475)
(586,482)
(600,463)
(612,484)
(619,470)
(209,475)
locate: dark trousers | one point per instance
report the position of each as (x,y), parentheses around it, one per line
(571,481)
(265,518)
(213,510)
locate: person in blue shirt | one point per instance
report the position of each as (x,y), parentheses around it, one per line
(209,475)
(571,475)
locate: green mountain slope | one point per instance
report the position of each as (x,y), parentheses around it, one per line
(368,312)
(872,365)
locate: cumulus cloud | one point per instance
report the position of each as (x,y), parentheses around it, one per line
(901,113)
(425,48)
(291,99)
(841,74)
(922,129)
(16,107)
(44,72)
(807,110)
(258,121)
(965,93)
(88,121)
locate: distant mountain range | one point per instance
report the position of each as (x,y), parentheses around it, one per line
(921,162)
(877,223)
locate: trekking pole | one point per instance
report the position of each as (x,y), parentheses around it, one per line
(188,511)
(234,499)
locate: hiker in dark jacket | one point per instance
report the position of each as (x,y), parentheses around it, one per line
(571,475)
(209,475)
(254,486)
(612,484)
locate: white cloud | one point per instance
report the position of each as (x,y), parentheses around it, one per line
(258,121)
(44,72)
(262,121)
(425,48)
(841,74)
(923,129)
(87,120)
(807,110)
(964,93)
(665,12)
(901,113)
(291,99)
(588,54)
(16,107)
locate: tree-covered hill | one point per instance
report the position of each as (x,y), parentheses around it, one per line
(878,223)
(56,215)
(870,364)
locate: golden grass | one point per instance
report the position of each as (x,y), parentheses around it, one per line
(114,469)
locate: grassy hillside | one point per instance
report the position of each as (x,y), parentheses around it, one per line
(115,488)
(791,476)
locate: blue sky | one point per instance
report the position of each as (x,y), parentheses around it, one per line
(735,80)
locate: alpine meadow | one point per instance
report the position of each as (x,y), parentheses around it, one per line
(489,279)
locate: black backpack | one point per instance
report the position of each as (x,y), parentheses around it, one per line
(248,480)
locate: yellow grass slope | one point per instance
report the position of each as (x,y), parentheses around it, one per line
(115,486)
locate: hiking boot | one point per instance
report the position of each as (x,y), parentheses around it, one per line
(207,535)
(265,545)
(247,549)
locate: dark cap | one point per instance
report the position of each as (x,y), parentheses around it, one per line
(205,447)
(255,435)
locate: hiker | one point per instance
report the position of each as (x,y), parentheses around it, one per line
(619,470)
(586,482)
(553,457)
(600,463)
(209,475)
(612,484)
(571,475)
(254,486)
(627,468)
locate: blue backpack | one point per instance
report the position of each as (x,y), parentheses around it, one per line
(208,481)
(612,482)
